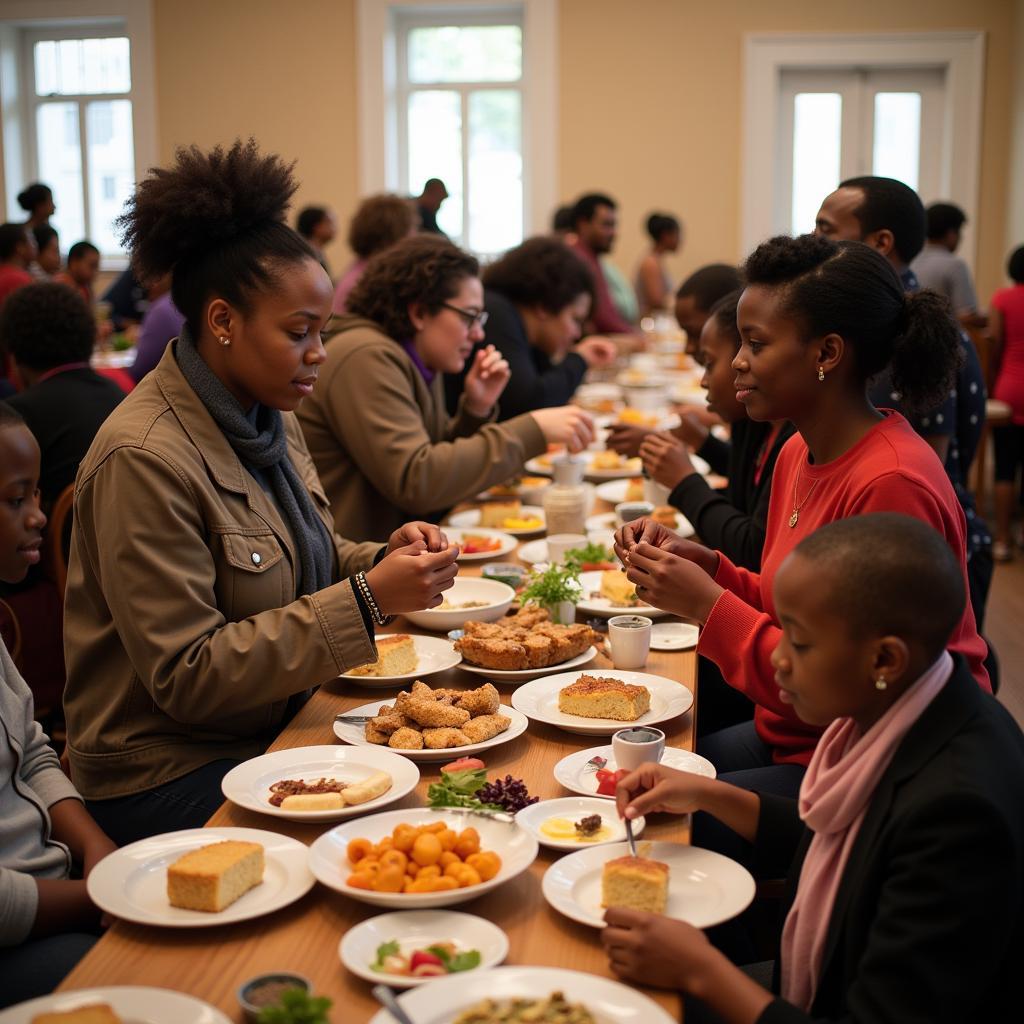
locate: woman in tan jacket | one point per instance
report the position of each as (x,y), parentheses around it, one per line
(377,428)
(207,592)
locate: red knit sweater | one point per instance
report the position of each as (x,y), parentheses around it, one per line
(890,469)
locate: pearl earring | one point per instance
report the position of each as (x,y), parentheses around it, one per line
(224,341)
(821,373)
(880,683)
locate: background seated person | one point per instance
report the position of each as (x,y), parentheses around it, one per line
(653,285)
(82,267)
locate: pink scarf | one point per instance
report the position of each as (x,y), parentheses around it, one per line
(841,779)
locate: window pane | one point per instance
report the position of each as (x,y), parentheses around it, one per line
(817,124)
(60,166)
(495,170)
(897,143)
(74,66)
(435,151)
(111,156)
(469,53)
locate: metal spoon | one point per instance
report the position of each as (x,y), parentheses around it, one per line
(387,999)
(628,822)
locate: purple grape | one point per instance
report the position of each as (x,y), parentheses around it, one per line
(508,793)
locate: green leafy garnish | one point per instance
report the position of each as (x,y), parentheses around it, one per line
(296,1007)
(386,949)
(459,962)
(458,789)
(588,554)
(553,585)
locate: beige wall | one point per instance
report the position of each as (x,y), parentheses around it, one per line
(650,106)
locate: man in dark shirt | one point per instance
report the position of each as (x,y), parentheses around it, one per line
(429,202)
(48,330)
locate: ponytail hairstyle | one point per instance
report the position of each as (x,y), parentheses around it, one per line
(723,312)
(659,224)
(216,222)
(850,289)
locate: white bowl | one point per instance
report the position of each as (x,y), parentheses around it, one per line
(328,857)
(499,597)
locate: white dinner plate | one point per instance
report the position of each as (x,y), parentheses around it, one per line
(674,636)
(248,785)
(572,808)
(470,520)
(131,883)
(521,675)
(591,582)
(507,544)
(614,491)
(631,467)
(417,929)
(573,773)
(433,654)
(538,700)
(610,1002)
(356,735)
(607,521)
(537,550)
(328,857)
(497,595)
(704,888)
(134,1004)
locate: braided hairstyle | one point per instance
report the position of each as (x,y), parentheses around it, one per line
(850,289)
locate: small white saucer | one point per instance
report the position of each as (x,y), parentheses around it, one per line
(674,636)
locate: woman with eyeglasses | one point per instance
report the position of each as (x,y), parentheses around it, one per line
(376,425)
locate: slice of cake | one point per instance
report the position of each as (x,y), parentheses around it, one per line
(94,1013)
(595,697)
(634,490)
(213,877)
(665,515)
(396,656)
(617,589)
(494,513)
(637,883)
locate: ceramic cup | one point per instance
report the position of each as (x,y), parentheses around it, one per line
(630,640)
(627,511)
(657,494)
(637,745)
(562,542)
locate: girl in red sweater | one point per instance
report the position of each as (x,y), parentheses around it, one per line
(818,319)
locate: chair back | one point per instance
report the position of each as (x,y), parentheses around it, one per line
(55,559)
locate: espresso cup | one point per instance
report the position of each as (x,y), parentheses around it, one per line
(630,640)
(637,745)
(627,511)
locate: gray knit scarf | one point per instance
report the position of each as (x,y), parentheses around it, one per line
(264,448)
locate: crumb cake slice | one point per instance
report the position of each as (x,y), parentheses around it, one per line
(597,697)
(637,883)
(396,656)
(494,513)
(213,877)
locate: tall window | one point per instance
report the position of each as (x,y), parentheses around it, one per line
(79,95)
(460,119)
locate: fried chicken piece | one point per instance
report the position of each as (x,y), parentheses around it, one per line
(529,616)
(502,655)
(422,691)
(484,700)
(484,630)
(387,724)
(374,735)
(406,739)
(539,651)
(433,714)
(486,726)
(442,738)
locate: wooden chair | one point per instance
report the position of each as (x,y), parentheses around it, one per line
(55,563)
(996,414)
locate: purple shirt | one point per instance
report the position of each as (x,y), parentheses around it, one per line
(425,372)
(161,324)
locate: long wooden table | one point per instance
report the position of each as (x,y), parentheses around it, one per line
(211,963)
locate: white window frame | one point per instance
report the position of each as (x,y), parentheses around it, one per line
(961,55)
(22,20)
(380,159)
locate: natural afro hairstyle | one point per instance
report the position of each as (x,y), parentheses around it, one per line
(543,272)
(379,222)
(46,325)
(660,224)
(216,221)
(424,269)
(911,586)
(850,289)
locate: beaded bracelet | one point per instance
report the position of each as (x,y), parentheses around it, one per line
(367,595)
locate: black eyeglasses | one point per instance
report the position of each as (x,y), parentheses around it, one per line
(471,318)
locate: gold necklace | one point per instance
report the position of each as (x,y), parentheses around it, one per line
(794,516)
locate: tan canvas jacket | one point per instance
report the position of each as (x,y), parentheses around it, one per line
(183,636)
(384,445)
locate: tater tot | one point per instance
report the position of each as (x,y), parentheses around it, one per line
(360,880)
(426,849)
(403,837)
(467,876)
(357,849)
(430,871)
(394,857)
(448,839)
(468,843)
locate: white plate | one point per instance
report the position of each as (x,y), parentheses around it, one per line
(572,771)
(499,597)
(415,929)
(470,519)
(538,700)
(591,582)
(433,655)
(134,1004)
(609,1001)
(537,550)
(704,888)
(632,467)
(614,491)
(607,521)
(131,883)
(508,543)
(574,808)
(674,636)
(328,859)
(355,734)
(249,784)
(521,675)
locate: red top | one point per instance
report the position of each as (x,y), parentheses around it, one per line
(11,279)
(1009,386)
(891,469)
(604,316)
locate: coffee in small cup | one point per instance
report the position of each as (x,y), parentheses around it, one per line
(637,745)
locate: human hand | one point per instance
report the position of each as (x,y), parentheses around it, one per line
(666,460)
(626,438)
(653,788)
(416,533)
(410,579)
(597,351)
(485,381)
(567,424)
(649,532)
(693,428)
(654,950)
(672,582)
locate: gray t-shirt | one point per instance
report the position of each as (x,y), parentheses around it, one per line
(944,272)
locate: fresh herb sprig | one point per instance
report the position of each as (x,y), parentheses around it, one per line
(588,555)
(296,1007)
(551,586)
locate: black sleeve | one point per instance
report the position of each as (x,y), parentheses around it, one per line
(720,524)
(716,454)
(779,834)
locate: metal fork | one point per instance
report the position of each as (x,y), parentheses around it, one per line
(628,822)
(387,999)
(483,812)
(354,719)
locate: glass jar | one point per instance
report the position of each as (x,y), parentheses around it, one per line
(566,500)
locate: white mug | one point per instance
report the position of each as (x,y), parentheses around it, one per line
(560,543)
(630,639)
(655,493)
(637,745)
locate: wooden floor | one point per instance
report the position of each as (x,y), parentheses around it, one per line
(1004,626)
